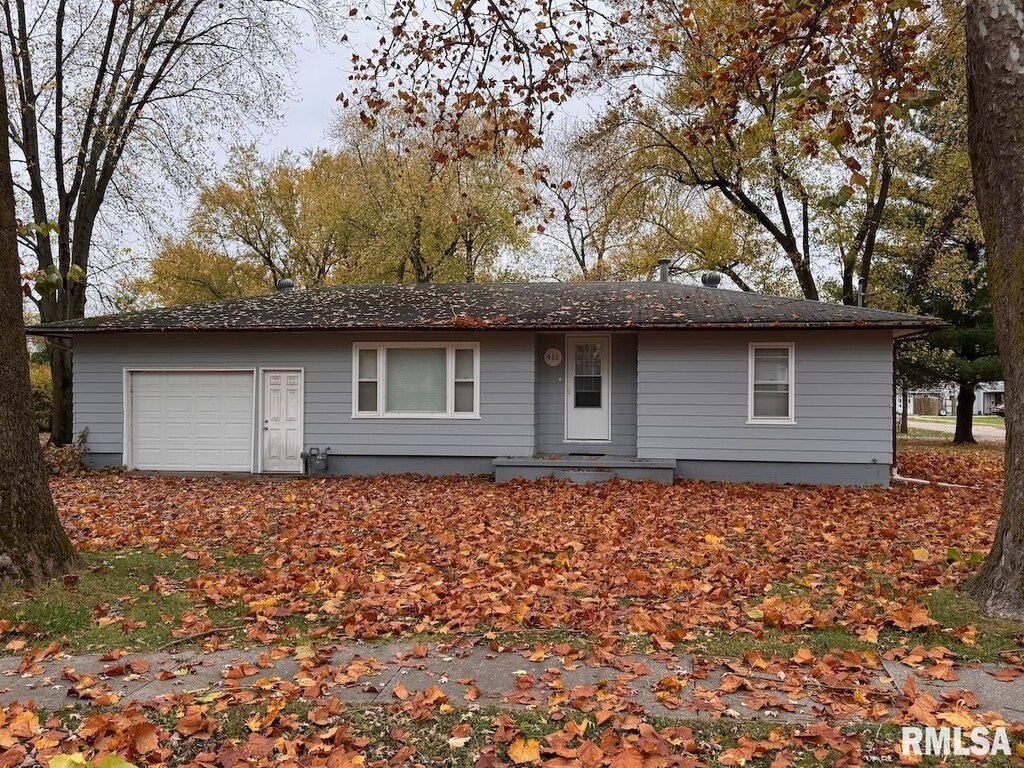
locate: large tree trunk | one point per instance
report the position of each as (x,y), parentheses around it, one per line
(995,82)
(964,415)
(33,546)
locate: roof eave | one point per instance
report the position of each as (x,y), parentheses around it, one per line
(900,330)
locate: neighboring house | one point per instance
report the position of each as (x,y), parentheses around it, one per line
(987,396)
(935,401)
(578,380)
(941,401)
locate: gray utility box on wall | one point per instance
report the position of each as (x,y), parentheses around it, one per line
(316,460)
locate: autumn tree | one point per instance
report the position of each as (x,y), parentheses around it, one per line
(33,545)
(188,270)
(599,222)
(257,222)
(784,111)
(381,207)
(435,213)
(588,215)
(778,155)
(104,97)
(931,257)
(995,82)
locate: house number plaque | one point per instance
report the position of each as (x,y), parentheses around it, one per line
(553,357)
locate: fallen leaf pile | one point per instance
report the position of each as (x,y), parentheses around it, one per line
(982,468)
(359,558)
(392,555)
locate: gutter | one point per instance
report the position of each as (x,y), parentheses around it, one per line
(912,330)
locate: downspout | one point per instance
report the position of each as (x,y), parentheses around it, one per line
(895,465)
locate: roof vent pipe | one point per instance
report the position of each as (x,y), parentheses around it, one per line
(710,279)
(285,284)
(663,270)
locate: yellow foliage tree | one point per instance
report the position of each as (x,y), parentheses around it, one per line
(388,205)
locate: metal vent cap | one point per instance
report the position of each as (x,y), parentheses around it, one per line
(710,279)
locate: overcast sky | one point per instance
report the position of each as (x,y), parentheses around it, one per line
(321,72)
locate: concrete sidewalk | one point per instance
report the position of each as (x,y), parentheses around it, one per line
(472,677)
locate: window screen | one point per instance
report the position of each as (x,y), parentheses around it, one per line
(367,387)
(771,383)
(465,383)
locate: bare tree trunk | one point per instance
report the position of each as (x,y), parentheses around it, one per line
(964,432)
(995,82)
(849,291)
(61,369)
(62,416)
(806,279)
(33,546)
(904,424)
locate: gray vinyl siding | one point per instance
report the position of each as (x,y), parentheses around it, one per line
(505,426)
(550,403)
(675,395)
(692,403)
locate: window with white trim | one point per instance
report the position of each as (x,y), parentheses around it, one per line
(771,383)
(416,380)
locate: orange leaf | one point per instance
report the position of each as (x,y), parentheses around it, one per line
(524,751)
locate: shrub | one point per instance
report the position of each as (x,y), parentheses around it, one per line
(42,394)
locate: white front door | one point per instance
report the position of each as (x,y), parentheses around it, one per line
(282,421)
(587,388)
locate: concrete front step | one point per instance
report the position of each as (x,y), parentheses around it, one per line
(583,468)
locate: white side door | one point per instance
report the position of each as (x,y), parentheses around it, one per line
(282,421)
(588,388)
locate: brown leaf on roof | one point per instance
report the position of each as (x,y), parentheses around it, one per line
(511,306)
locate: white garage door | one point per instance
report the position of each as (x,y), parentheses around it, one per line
(192,420)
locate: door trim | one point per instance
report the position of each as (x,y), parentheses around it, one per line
(569,372)
(126,394)
(259,419)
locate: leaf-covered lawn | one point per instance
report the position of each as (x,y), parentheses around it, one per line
(366,557)
(810,586)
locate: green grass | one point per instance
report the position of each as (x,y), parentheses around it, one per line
(955,609)
(110,586)
(929,434)
(431,737)
(381,723)
(950,608)
(990,421)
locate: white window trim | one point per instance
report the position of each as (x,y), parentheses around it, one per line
(755,345)
(381,349)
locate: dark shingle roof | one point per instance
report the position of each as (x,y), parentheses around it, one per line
(496,306)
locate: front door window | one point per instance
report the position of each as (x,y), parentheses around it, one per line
(588,375)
